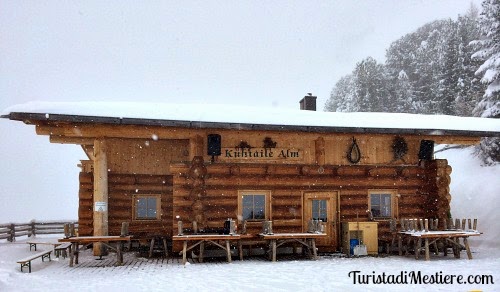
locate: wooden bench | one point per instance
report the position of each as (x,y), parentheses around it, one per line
(26,262)
(62,249)
(33,244)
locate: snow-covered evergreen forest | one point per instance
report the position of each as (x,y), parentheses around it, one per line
(447,67)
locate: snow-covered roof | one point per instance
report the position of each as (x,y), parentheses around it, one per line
(246,117)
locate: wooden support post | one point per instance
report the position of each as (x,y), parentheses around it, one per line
(12,236)
(469,224)
(474,225)
(457,223)
(33,229)
(463,223)
(426,225)
(100,194)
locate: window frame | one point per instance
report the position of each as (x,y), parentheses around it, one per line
(267,204)
(135,200)
(394,202)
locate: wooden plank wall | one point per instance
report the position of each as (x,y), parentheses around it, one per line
(142,156)
(122,187)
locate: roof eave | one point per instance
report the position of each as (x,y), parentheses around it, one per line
(31,118)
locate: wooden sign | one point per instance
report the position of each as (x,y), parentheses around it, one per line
(260,154)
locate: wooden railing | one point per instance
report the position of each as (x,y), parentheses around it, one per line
(10,231)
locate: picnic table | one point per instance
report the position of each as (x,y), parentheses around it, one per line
(105,240)
(201,239)
(431,237)
(306,239)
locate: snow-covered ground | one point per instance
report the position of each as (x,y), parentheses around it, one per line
(475,194)
(326,274)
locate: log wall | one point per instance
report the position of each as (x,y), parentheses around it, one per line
(288,183)
(209,193)
(122,188)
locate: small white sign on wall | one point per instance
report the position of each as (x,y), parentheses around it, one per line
(101,207)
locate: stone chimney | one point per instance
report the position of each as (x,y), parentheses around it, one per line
(308,102)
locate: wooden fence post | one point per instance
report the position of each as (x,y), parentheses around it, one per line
(33,230)
(12,233)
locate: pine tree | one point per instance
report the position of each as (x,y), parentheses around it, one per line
(489,54)
(370,88)
(468,87)
(342,97)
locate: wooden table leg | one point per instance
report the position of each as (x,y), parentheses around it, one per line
(456,248)
(228,251)
(400,244)
(409,239)
(71,254)
(436,251)
(202,251)
(273,249)
(240,249)
(313,247)
(119,255)
(184,251)
(427,254)
(165,248)
(77,251)
(418,244)
(467,248)
(151,247)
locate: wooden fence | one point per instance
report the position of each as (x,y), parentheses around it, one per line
(10,231)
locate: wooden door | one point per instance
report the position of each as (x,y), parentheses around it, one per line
(322,206)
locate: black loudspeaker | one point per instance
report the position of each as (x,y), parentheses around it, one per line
(426,150)
(213,145)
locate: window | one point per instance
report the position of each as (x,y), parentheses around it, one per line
(253,205)
(319,210)
(382,203)
(147,207)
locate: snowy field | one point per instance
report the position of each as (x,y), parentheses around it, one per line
(475,194)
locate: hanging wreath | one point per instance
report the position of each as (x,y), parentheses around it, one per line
(399,148)
(354,154)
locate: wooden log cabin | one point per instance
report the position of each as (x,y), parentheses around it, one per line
(158,164)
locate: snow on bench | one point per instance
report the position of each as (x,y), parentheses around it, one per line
(26,262)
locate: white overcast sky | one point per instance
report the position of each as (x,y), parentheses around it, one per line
(264,53)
